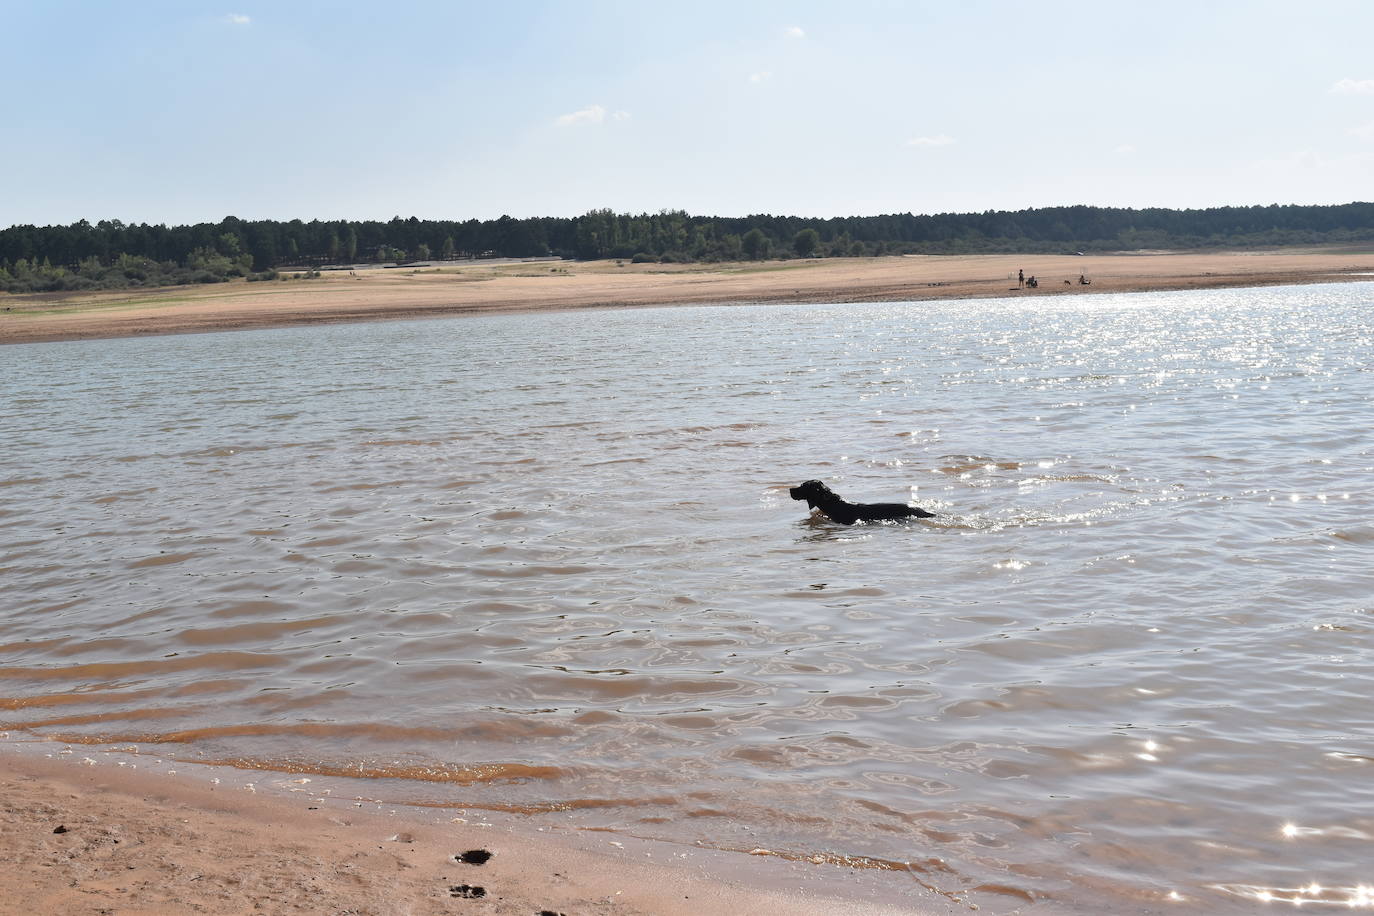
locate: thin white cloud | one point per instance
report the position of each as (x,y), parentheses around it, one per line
(937,140)
(794,31)
(762,76)
(592,114)
(238,19)
(1124,149)
(1348,86)
(1364,132)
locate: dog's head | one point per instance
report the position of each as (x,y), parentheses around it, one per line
(813,491)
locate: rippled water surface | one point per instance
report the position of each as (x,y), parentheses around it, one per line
(548,564)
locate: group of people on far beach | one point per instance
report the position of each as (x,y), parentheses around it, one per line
(1023,281)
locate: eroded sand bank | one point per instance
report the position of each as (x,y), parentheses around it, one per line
(476,287)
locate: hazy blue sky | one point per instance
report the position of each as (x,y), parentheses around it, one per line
(183,111)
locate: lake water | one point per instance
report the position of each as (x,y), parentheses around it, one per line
(547,564)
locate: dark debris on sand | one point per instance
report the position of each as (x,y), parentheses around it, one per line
(467,891)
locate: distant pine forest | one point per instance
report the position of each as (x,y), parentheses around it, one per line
(115,255)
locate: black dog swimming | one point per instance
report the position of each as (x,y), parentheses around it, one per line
(819,496)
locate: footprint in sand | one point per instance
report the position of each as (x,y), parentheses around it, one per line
(467,891)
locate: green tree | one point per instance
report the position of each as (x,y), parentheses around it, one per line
(229,245)
(806,242)
(756,245)
(447,251)
(730,248)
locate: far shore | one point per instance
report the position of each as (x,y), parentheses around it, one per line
(469,288)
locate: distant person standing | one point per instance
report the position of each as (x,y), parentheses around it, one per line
(1020,278)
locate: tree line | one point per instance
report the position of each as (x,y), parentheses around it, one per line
(111,254)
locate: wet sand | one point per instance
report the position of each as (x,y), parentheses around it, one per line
(84,835)
(464,288)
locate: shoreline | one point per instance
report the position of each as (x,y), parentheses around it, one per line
(385,293)
(110,832)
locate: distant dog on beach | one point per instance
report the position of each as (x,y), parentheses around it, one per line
(819,496)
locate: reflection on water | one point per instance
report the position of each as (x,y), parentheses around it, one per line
(548,565)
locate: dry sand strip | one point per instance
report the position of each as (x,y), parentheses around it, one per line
(466,288)
(97,838)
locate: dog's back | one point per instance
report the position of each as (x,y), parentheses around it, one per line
(880,511)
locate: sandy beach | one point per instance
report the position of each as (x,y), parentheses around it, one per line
(87,832)
(466,288)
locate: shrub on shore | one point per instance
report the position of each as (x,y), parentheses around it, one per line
(123,272)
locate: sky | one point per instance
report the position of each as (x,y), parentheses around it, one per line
(187,111)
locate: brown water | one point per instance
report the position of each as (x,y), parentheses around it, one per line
(547,564)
